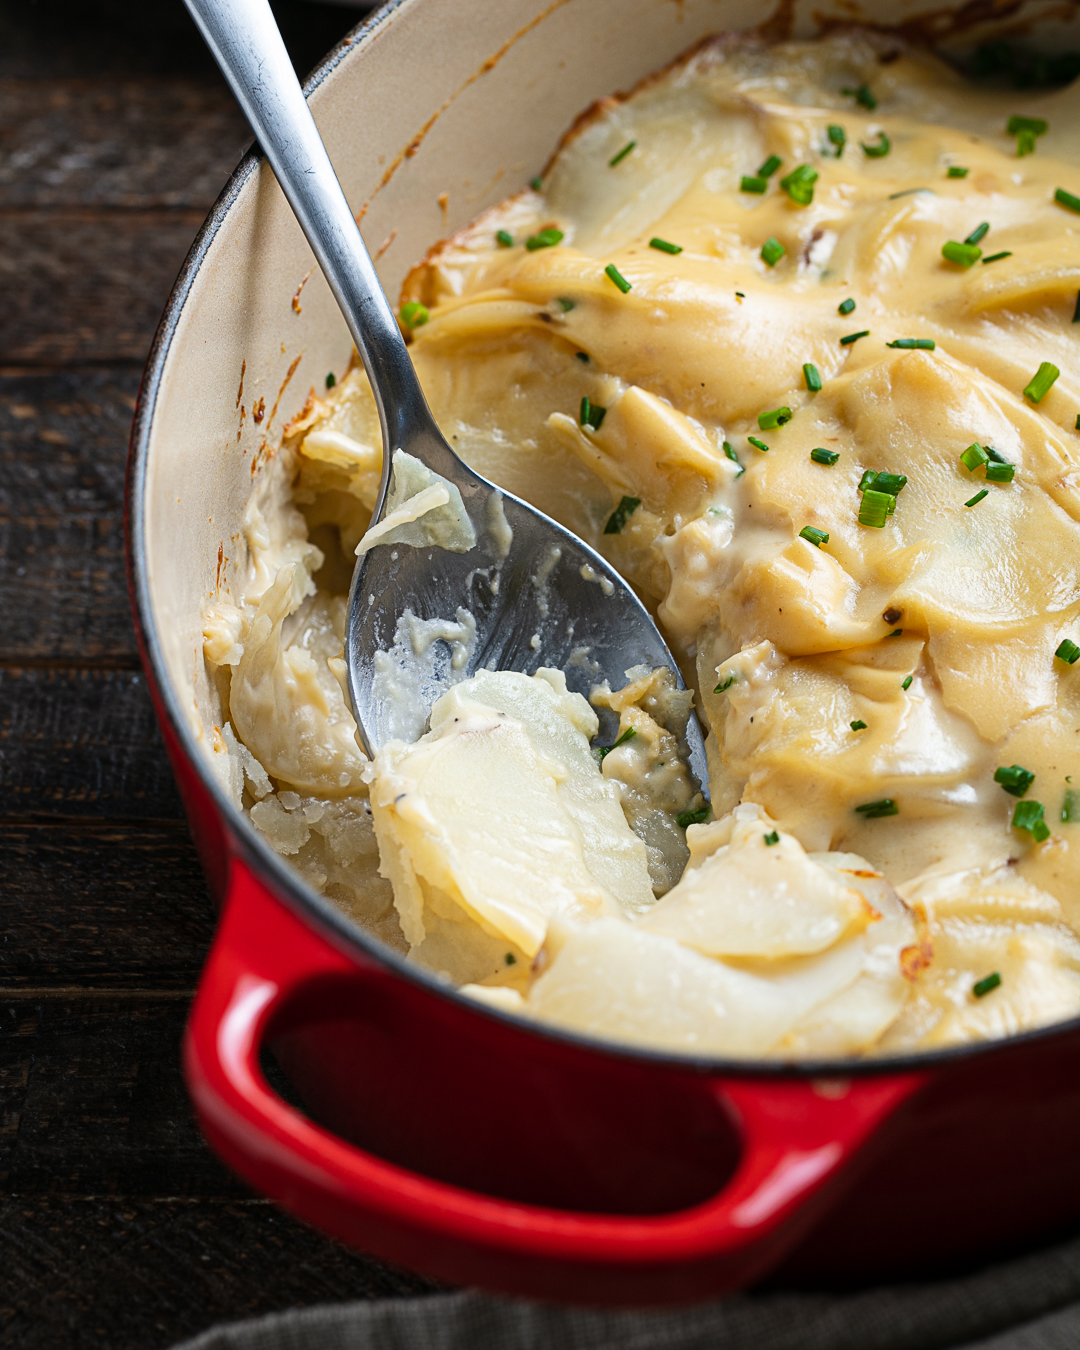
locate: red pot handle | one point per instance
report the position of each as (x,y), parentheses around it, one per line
(797,1137)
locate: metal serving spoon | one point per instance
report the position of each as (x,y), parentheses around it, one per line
(537,595)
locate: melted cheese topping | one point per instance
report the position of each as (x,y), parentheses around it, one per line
(903,664)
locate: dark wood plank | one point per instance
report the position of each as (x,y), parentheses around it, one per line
(121,908)
(127,142)
(81,743)
(140,1275)
(114,270)
(63,447)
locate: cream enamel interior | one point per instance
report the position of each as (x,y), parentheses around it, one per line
(205,456)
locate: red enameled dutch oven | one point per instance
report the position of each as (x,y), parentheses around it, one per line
(438,1134)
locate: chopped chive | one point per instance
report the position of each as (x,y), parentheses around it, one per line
(1070,807)
(978,234)
(733,457)
(983,987)
(778,417)
(974,501)
(1067,199)
(504,239)
(772,837)
(665,245)
(1015,779)
(955,171)
(837,137)
(862,96)
(770,166)
(1041,381)
(1000,473)
(547,238)
(1029,816)
(913,344)
(812,377)
(592,415)
(892,483)
(974,457)
(799,184)
(896,632)
(1068,652)
(760,445)
(1076,309)
(331,380)
(878,151)
(1036,125)
(582,356)
(748,183)
(604,750)
(875,810)
(1025,144)
(566,304)
(854,337)
(865,481)
(740,295)
(622,513)
(874,508)
(822,456)
(772,250)
(906,684)
(966,255)
(510,959)
(813,536)
(685,818)
(617,159)
(995,455)
(724,685)
(413,314)
(613,274)
(858,726)
(536,183)
(846,306)
(997,257)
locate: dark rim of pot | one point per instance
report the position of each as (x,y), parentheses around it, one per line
(285,882)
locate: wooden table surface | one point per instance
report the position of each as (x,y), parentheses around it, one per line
(118,1227)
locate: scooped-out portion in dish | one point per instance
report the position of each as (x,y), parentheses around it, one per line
(789,335)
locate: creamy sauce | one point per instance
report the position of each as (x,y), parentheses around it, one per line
(862,689)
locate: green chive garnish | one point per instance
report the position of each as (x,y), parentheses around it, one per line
(772,250)
(510,959)
(778,417)
(854,337)
(846,306)
(770,166)
(997,257)
(582,356)
(665,246)
(1029,816)
(875,810)
(724,685)
(1064,198)
(837,137)
(812,377)
(748,183)
(331,380)
(892,483)
(862,96)
(733,457)
(1070,807)
(821,456)
(1000,473)
(955,171)
(880,150)
(866,480)
(592,415)
(913,344)
(813,536)
(414,314)
(906,684)
(978,234)
(1015,779)
(622,513)
(613,274)
(505,239)
(1026,130)
(685,818)
(974,501)
(983,987)
(799,184)
(974,457)
(1076,310)
(617,159)
(896,632)
(1068,652)
(536,183)
(545,239)
(966,255)
(604,750)
(760,445)
(772,837)
(875,508)
(565,304)
(1041,381)
(858,726)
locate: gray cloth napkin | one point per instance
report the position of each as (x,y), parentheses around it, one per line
(1029,1304)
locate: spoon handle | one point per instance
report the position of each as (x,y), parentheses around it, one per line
(244,39)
